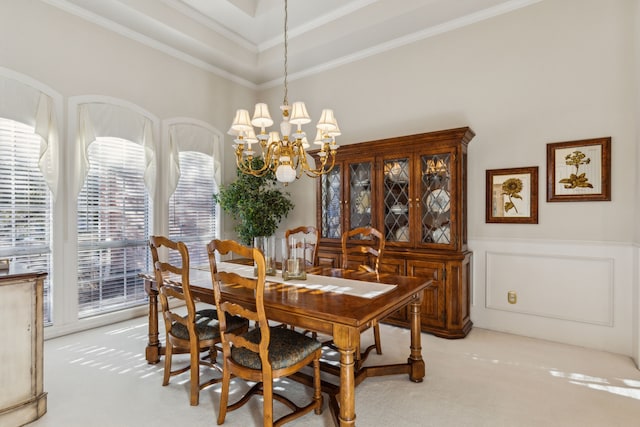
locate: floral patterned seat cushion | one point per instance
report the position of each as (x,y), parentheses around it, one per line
(211,313)
(287,347)
(207,326)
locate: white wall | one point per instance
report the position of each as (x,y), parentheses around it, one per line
(554,71)
(636,277)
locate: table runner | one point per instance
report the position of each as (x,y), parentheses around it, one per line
(358,288)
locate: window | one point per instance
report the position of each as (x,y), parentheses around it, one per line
(25,203)
(113,228)
(192,212)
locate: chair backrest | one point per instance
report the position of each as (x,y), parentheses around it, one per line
(253,310)
(178,288)
(311,242)
(367,256)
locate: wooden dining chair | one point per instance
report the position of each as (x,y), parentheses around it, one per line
(364,256)
(264,353)
(194,333)
(367,254)
(311,237)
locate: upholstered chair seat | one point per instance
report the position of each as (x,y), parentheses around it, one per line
(207,327)
(286,348)
(211,313)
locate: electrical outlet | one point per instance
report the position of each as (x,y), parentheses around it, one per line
(512,297)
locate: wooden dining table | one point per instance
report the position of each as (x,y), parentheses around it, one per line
(339,315)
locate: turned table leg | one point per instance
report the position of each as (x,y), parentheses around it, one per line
(417,370)
(153,351)
(345,340)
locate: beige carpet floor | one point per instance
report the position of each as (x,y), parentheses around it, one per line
(100,378)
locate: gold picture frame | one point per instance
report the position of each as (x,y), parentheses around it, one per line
(579,171)
(512,195)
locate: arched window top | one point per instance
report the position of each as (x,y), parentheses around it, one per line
(192,135)
(118,119)
(25,101)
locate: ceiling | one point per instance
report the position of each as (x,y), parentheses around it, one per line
(243,39)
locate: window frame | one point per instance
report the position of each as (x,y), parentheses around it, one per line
(109,238)
(195,242)
(38,255)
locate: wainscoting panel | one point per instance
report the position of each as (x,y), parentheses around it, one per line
(580,293)
(562,287)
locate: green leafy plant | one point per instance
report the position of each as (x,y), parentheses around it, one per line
(255,202)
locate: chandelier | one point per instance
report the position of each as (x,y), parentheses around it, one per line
(283,153)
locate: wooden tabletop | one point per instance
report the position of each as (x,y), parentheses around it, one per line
(320,310)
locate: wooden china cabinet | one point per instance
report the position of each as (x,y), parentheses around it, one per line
(414,189)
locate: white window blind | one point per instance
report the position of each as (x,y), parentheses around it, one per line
(113,228)
(192,212)
(25,203)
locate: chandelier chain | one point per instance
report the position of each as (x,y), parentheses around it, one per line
(286,49)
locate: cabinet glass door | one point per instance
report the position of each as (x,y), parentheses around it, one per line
(436,198)
(331,204)
(359,194)
(397,212)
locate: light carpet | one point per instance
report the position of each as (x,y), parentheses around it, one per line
(100,378)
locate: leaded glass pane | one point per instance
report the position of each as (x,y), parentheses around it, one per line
(436,198)
(360,195)
(396,200)
(331,207)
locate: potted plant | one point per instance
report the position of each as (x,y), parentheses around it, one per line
(255,202)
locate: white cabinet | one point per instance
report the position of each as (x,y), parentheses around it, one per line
(22,399)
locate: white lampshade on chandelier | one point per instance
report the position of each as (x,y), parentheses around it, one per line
(283,152)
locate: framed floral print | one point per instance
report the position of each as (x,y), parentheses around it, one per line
(579,171)
(512,195)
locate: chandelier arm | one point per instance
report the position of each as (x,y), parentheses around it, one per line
(323,162)
(240,162)
(272,157)
(246,165)
(250,171)
(301,164)
(301,157)
(322,169)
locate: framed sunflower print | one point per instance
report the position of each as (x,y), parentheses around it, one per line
(512,195)
(579,171)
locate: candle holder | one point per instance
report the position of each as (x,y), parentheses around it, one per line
(268,247)
(294,259)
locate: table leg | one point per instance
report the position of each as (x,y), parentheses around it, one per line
(417,368)
(345,340)
(152,352)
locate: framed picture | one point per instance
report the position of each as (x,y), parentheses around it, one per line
(579,171)
(512,195)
